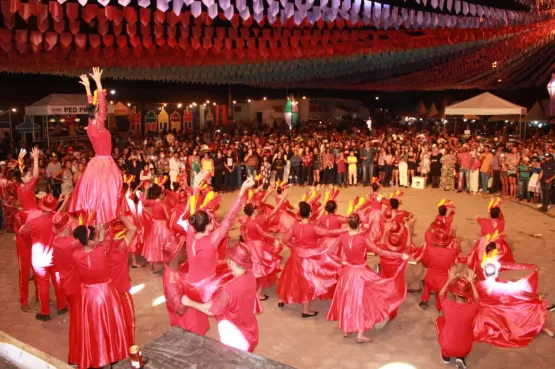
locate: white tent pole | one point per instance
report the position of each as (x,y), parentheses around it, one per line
(45,118)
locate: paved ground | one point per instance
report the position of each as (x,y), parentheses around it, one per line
(315,343)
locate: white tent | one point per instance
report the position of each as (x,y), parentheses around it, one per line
(485,104)
(61,104)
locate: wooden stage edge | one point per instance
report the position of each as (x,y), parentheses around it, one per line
(181,349)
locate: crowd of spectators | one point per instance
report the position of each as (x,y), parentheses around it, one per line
(520,169)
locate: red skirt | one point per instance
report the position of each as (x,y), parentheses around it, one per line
(281,221)
(308,274)
(266,262)
(154,239)
(363,299)
(98,190)
(103,327)
(375,225)
(201,291)
(510,325)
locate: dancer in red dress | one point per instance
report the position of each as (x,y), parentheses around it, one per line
(202,275)
(100,186)
(441,252)
(157,232)
(373,215)
(396,238)
(475,256)
(331,221)
(447,219)
(174,257)
(121,236)
(311,270)
(263,247)
(64,245)
(362,299)
(284,217)
(26,196)
(455,326)
(102,324)
(41,231)
(496,222)
(236,305)
(511,314)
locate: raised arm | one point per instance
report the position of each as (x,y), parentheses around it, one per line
(102,108)
(35,153)
(131,229)
(85,82)
(218,235)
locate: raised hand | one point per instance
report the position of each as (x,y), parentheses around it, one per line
(85,81)
(35,153)
(199,177)
(22,153)
(470,275)
(452,273)
(96,74)
(247,184)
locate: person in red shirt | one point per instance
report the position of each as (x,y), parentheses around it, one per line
(41,231)
(456,325)
(27,180)
(121,236)
(441,252)
(236,305)
(63,247)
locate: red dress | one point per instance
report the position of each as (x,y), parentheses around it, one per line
(28,201)
(489,226)
(41,231)
(331,222)
(102,327)
(119,274)
(235,308)
(454,328)
(100,186)
(474,257)
(373,217)
(362,298)
(265,257)
(447,220)
(511,314)
(156,232)
(202,276)
(311,270)
(63,249)
(438,260)
(283,219)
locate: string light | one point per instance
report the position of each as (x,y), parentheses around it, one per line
(14,110)
(234,101)
(304,97)
(179,105)
(264,98)
(128,104)
(249,100)
(112,92)
(494,64)
(377,97)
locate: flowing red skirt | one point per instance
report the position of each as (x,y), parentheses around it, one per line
(266,262)
(154,239)
(363,299)
(103,327)
(308,274)
(389,268)
(98,190)
(281,221)
(201,291)
(510,324)
(375,225)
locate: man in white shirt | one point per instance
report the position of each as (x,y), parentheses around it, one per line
(175,167)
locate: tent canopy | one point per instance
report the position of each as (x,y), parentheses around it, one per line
(485,104)
(61,104)
(537,113)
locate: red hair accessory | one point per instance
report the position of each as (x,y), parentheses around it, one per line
(161,181)
(446,203)
(495,202)
(128,179)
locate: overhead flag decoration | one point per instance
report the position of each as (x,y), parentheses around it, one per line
(358,44)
